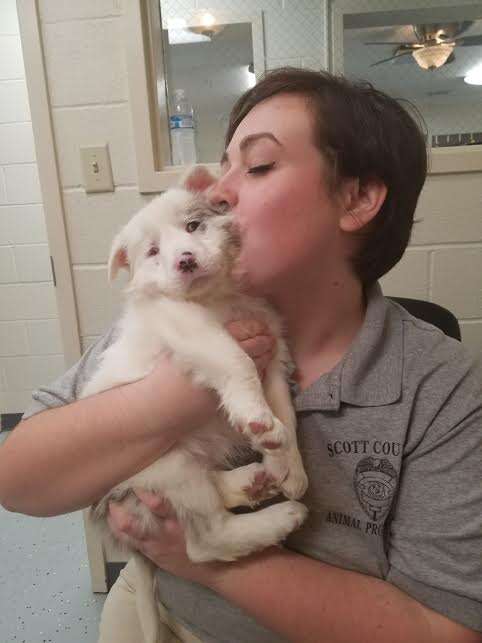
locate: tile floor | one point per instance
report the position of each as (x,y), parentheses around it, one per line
(45,594)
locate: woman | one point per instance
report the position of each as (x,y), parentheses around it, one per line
(323,177)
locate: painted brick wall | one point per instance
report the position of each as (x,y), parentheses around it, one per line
(30,347)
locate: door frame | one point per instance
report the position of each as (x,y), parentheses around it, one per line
(36,79)
(50,185)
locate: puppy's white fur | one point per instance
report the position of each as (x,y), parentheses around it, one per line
(180,252)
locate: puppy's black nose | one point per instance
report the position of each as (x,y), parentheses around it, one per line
(188,264)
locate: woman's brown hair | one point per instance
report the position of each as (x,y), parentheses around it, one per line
(362,133)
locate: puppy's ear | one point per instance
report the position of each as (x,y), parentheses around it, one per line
(197,178)
(118,257)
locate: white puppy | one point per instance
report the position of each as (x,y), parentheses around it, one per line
(180,251)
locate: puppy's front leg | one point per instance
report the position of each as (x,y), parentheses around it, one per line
(204,347)
(277,393)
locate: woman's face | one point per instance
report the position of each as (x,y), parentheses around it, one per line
(274,180)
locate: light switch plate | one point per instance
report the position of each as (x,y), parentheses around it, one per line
(97,169)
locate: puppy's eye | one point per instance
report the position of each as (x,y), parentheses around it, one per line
(153,251)
(192,225)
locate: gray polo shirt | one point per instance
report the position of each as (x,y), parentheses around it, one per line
(391,440)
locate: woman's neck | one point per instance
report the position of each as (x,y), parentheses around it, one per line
(322,319)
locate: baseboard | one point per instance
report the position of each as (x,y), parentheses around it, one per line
(9,421)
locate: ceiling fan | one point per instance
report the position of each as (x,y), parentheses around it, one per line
(435,44)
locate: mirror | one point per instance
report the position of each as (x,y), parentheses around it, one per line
(431,57)
(208,60)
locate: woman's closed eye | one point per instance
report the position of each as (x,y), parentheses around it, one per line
(261,169)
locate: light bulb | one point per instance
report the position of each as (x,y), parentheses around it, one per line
(208,20)
(474,76)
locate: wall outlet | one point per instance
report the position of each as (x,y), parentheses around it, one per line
(97,169)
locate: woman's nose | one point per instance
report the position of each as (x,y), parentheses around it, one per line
(222,194)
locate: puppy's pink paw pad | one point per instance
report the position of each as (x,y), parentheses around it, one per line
(258,427)
(270,444)
(262,487)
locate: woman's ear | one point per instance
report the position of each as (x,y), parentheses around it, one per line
(118,257)
(361,202)
(197,179)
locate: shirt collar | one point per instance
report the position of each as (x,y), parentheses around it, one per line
(370,373)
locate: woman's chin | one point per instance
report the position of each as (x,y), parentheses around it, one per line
(250,284)
(248,278)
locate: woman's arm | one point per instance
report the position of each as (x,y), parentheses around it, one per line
(302,599)
(311,602)
(63,459)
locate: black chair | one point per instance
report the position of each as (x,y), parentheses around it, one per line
(431,313)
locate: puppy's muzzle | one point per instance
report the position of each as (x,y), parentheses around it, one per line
(187,263)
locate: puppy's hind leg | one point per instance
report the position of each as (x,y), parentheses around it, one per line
(231,536)
(212,533)
(245,486)
(277,393)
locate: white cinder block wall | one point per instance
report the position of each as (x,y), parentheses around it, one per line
(87,80)
(30,347)
(444,260)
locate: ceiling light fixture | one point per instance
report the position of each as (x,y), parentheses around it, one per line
(434,56)
(178,33)
(206,24)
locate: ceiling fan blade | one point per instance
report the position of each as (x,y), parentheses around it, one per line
(468,41)
(389,43)
(385,60)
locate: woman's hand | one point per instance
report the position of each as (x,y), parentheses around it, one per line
(255,339)
(167,549)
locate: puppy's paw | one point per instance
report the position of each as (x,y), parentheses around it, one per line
(297,513)
(295,484)
(277,467)
(256,423)
(261,487)
(286,517)
(266,434)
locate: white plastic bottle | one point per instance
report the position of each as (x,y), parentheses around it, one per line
(182,126)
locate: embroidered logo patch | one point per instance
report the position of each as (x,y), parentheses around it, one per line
(375,483)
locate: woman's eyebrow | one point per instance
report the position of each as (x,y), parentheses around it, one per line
(249,140)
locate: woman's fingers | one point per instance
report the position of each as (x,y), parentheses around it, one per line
(242,329)
(261,350)
(255,339)
(156,503)
(127,528)
(123,524)
(120,520)
(258,346)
